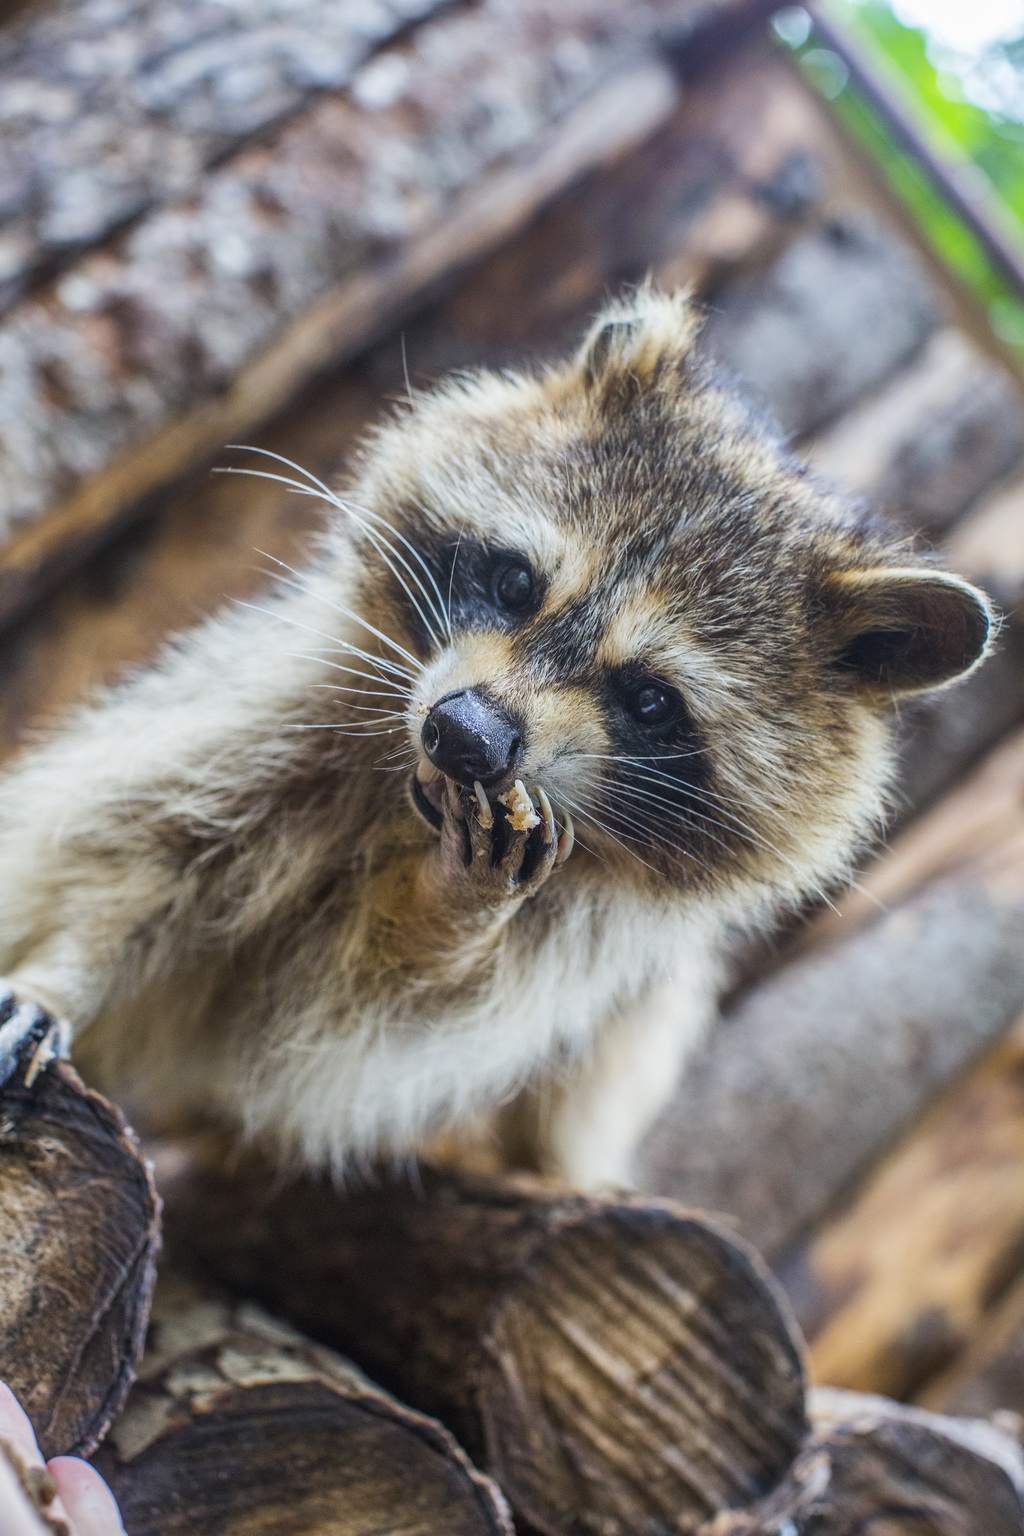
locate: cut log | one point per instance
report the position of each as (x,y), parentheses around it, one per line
(209,313)
(103,115)
(240,1428)
(986,1380)
(875,1469)
(79,1230)
(618,1365)
(103,378)
(819,1067)
(933,439)
(839,312)
(890,1289)
(741,165)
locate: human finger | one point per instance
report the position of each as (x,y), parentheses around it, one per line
(16,1428)
(90,1504)
(17,1517)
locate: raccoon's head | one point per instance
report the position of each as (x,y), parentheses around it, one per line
(622,589)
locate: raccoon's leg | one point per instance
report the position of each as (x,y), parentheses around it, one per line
(78,914)
(30,1035)
(35,998)
(589,1126)
(54,984)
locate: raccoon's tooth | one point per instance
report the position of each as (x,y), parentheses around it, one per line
(486,814)
(547,815)
(567,839)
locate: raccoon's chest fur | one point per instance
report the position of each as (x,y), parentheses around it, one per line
(389,1079)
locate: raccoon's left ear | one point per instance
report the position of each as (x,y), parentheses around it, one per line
(905,629)
(640,337)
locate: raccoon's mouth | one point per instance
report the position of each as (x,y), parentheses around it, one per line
(427,799)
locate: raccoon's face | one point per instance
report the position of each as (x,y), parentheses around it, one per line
(621,590)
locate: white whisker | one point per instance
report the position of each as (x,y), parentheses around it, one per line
(321,491)
(366,693)
(595,822)
(735,825)
(387,684)
(341,730)
(302,584)
(335,640)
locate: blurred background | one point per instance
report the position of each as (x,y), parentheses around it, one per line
(256,221)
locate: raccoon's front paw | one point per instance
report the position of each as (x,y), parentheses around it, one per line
(30,1038)
(503,849)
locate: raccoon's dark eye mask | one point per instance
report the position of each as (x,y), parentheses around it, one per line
(485,587)
(650,724)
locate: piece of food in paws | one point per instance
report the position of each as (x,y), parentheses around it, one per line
(521,814)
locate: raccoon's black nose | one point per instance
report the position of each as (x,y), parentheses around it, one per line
(470,737)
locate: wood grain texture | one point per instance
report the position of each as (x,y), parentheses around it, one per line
(79,1230)
(239,1426)
(873,1468)
(617,1364)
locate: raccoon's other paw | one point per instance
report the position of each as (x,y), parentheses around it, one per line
(501,850)
(30,1038)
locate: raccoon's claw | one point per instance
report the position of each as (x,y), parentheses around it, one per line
(30,1038)
(500,858)
(524,841)
(566,841)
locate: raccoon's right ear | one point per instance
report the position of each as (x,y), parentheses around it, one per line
(639,338)
(903,630)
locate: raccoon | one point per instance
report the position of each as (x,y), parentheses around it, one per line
(587,675)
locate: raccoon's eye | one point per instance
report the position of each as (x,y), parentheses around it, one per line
(513,586)
(653,703)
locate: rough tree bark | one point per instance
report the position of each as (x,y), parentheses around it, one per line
(108,110)
(935,436)
(79,1230)
(616,1364)
(210,311)
(241,1428)
(840,310)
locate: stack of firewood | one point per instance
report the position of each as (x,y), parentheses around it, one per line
(615,1365)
